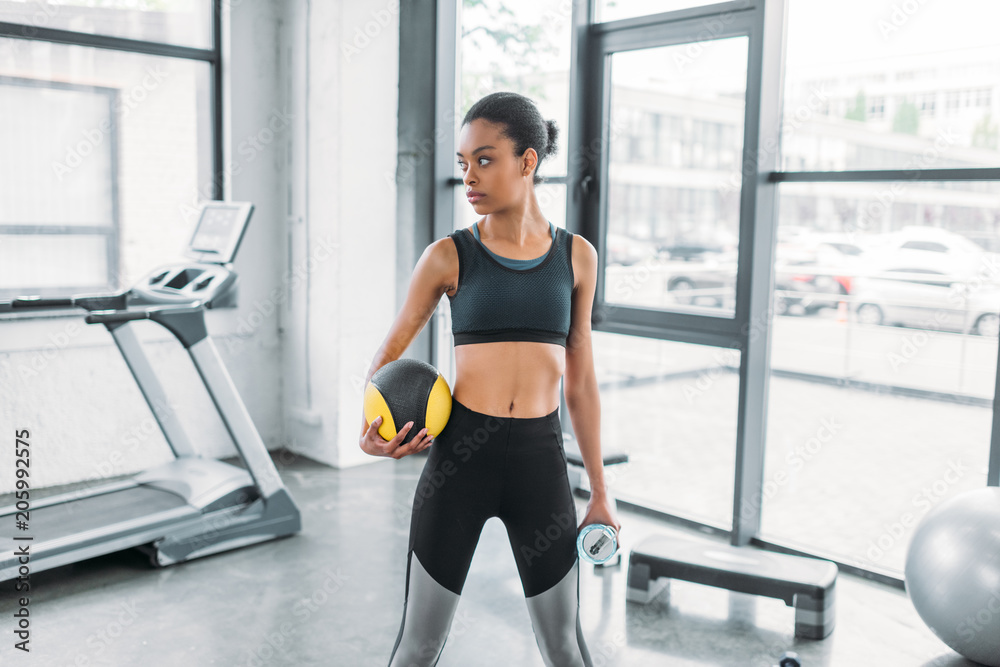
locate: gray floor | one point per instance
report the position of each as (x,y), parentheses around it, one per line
(333,595)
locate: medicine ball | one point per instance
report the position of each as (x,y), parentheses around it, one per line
(408,390)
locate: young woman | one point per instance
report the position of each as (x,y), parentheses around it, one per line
(521,292)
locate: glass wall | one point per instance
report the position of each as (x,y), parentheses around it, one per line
(887,293)
(182,22)
(914,89)
(672,407)
(674,151)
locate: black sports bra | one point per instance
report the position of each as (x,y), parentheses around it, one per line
(495,303)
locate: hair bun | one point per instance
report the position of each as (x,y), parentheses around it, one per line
(553,130)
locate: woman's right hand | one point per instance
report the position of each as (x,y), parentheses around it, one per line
(373,443)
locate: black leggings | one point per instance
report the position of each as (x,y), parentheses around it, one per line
(481,466)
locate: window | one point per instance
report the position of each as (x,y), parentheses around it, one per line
(107,148)
(876,109)
(657,209)
(938,56)
(873,352)
(926,104)
(186,23)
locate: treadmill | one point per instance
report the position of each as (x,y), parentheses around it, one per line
(192,506)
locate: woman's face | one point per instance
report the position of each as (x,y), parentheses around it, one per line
(495,179)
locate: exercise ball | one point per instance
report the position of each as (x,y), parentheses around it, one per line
(953,573)
(408,390)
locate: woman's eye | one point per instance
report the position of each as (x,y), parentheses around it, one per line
(481,161)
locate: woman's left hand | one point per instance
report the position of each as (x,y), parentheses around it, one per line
(601,509)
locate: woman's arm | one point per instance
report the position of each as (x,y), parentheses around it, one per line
(429,281)
(580,384)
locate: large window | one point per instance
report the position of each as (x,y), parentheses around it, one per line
(887,284)
(672,406)
(916,88)
(181,22)
(108,142)
(675,139)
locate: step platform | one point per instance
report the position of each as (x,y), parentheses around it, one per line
(804,583)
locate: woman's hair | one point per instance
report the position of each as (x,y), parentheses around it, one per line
(520,122)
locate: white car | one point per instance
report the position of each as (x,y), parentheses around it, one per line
(934,249)
(918,297)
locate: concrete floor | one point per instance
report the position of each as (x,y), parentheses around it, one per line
(333,595)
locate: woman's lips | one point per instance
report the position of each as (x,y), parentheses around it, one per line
(474,196)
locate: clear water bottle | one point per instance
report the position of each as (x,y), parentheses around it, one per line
(597,543)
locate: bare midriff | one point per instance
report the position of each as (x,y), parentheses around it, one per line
(509,378)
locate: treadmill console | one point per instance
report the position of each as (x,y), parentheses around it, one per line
(207,279)
(219,231)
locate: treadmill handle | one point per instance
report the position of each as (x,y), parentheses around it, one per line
(41,302)
(104,317)
(112,301)
(111,316)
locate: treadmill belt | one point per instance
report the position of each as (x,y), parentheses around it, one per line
(86,514)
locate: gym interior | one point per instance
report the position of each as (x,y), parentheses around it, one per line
(796,207)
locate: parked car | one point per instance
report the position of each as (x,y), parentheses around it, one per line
(815,272)
(817,276)
(689,252)
(919,297)
(929,248)
(809,287)
(709,280)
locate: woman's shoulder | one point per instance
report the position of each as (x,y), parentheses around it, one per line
(444,247)
(581,246)
(439,261)
(583,258)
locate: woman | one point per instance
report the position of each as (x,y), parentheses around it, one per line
(521,292)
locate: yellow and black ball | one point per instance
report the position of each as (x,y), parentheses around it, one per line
(408,390)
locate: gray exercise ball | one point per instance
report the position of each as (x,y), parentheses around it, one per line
(953,573)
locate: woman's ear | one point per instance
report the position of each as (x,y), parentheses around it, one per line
(528,162)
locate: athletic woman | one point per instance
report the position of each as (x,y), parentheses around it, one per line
(521,292)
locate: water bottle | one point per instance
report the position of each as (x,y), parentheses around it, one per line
(597,543)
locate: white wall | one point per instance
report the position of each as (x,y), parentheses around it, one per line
(342,226)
